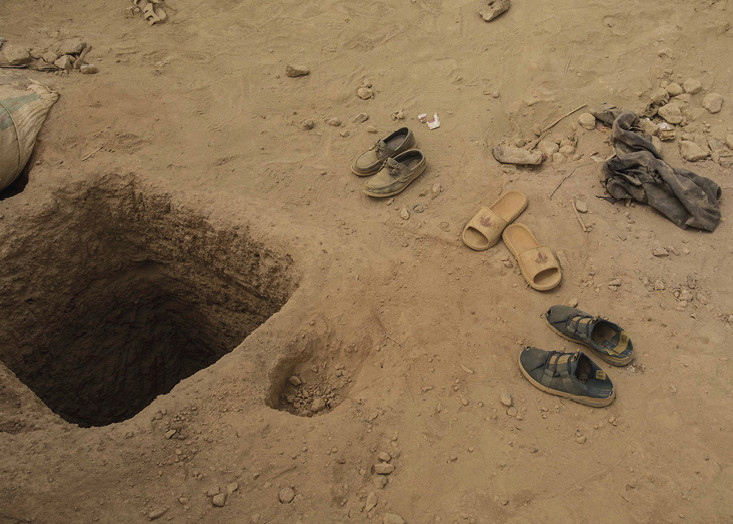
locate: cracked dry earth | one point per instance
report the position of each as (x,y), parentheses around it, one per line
(207,321)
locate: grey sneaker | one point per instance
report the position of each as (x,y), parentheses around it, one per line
(396,174)
(371,160)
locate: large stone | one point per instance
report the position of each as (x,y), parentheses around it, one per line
(71,46)
(17,55)
(671,113)
(713,102)
(691,152)
(587,121)
(65,62)
(692,86)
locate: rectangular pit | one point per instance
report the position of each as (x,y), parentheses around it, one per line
(114,295)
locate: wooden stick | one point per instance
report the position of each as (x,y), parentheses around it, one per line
(546,129)
(568,176)
(90,155)
(577,215)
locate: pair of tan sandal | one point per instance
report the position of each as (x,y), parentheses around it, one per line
(537,263)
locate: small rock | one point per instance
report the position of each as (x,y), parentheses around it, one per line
(729,141)
(213,490)
(398,115)
(436,190)
(392,518)
(660,96)
(286,495)
(581,439)
(344,133)
(573,302)
(567,151)
(371,502)
(671,113)
(548,147)
(295,381)
(405,214)
(692,86)
(318,405)
(157,513)
(659,251)
(558,158)
(390,201)
(616,282)
(563,259)
(334,122)
(65,62)
(35,53)
(308,123)
(16,54)
(50,57)
(649,127)
(232,487)
(296,71)
(512,412)
(506,399)
(581,206)
(361,117)
(88,69)
(383,468)
(674,89)
(379,482)
(365,93)
(384,456)
(587,121)
(170,433)
(70,46)
(372,130)
(219,500)
(713,102)
(659,285)
(691,152)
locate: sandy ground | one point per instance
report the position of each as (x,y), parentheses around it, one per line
(417,335)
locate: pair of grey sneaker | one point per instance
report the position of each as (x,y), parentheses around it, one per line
(392,163)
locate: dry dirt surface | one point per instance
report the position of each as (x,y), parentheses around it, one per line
(204,319)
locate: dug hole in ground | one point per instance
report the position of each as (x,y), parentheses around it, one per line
(204,318)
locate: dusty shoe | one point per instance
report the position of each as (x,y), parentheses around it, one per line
(607,339)
(569,375)
(396,174)
(370,161)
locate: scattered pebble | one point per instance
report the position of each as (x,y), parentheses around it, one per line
(372,130)
(383,468)
(506,399)
(692,86)
(405,214)
(567,150)
(296,71)
(671,113)
(384,456)
(581,206)
(398,115)
(438,189)
(335,122)
(232,487)
(379,481)
(512,412)
(65,62)
(713,102)
(659,285)
(573,302)
(318,405)
(371,502)
(392,518)
(581,439)
(674,89)
(548,147)
(691,152)
(157,513)
(587,121)
(219,500)
(308,123)
(361,117)
(286,495)
(344,133)
(295,381)
(170,433)
(659,251)
(365,93)
(660,96)
(88,69)
(729,141)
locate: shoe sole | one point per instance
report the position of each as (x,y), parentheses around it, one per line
(586,401)
(393,193)
(492,244)
(617,362)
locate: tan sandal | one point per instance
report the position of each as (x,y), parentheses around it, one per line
(484,229)
(538,265)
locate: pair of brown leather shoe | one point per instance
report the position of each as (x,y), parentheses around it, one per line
(393,163)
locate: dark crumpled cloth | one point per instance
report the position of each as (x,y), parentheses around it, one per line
(637,171)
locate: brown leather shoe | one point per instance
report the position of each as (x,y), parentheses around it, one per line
(396,174)
(371,160)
